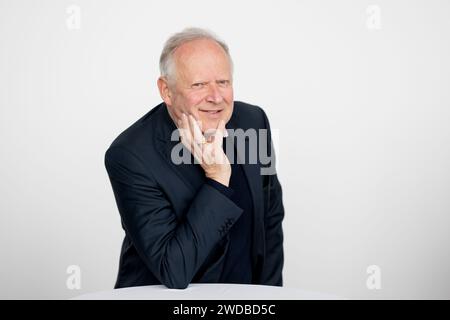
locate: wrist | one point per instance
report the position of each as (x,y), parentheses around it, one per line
(223,179)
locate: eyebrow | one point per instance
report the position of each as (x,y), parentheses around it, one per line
(219,80)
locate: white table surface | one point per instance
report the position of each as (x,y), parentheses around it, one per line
(208,291)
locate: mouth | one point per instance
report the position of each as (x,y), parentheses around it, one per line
(212,113)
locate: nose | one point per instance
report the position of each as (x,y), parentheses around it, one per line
(214,94)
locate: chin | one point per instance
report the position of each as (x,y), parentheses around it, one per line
(211,122)
(210,125)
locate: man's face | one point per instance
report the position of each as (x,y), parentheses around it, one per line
(203,85)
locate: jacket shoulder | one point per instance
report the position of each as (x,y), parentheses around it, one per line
(140,132)
(248,115)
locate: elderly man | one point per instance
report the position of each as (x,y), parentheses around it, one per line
(217,218)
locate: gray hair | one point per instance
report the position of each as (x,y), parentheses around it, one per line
(166,63)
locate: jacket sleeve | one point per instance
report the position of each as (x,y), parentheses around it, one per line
(172,249)
(274,213)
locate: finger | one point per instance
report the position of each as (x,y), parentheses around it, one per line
(200,125)
(190,145)
(195,130)
(187,138)
(181,129)
(185,132)
(221,126)
(197,136)
(208,154)
(186,141)
(218,136)
(184,121)
(197,155)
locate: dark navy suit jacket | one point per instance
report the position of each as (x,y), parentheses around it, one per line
(173,220)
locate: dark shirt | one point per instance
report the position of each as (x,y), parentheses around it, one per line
(238,264)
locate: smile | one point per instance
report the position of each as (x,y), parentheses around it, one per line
(212,113)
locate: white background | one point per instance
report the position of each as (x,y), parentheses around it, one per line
(363,117)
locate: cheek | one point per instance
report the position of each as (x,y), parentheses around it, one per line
(185,104)
(229,98)
(177,109)
(196,98)
(193,103)
(228,95)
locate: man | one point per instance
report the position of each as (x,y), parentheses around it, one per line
(217,218)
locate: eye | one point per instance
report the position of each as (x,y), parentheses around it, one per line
(198,85)
(223,83)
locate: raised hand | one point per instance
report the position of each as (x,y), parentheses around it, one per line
(208,152)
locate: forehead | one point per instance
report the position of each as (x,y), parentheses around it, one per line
(201,58)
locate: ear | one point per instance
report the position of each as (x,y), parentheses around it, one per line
(164,91)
